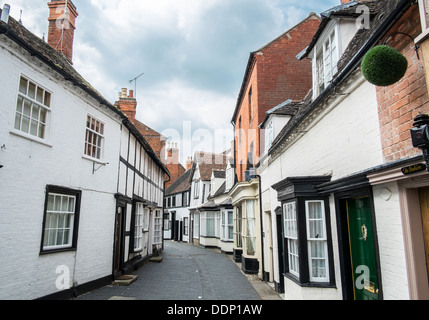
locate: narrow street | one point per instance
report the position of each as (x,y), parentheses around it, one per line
(187,272)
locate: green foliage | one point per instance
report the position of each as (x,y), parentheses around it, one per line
(384,65)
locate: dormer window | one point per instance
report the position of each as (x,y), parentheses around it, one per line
(326,59)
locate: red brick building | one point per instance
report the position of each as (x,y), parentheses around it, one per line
(401,102)
(273,75)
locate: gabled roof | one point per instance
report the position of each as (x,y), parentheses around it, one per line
(345,10)
(181,184)
(16,32)
(207,162)
(287,108)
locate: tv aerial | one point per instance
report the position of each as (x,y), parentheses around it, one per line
(135,84)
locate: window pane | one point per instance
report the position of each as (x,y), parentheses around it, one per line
(41,132)
(53,220)
(32,90)
(47,99)
(25,124)
(35,112)
(39,96)
(71,204)
(50,206)
(23,85)
(33,128)
(19,104)
(64,204)
(27,108)
(17,121)
(57,203)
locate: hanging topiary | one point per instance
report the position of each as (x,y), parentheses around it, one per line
(384,66)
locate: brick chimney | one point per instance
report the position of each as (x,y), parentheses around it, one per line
(189,163)
(127,104)
(172,154)
(62,23)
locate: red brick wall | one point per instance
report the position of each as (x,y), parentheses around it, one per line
(401,102)
(276,76)
(59,38)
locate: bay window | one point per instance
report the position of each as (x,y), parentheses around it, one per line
(306,231)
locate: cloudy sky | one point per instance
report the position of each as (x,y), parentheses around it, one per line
(193,54)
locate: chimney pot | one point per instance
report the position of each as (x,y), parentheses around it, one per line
(5,13)
(131,94)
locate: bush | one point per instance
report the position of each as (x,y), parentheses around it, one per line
(384,65)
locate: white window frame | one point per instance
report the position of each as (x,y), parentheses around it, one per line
(291,234)
(196,234)
(227,225)
(157,228)
(196,189)
(329,57)
(98,144)
(321,239)
(39,112)
(138,227)
(185,226)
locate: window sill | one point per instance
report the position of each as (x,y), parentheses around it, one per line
(84,156)
(30,137)
(58,250)
(309,284)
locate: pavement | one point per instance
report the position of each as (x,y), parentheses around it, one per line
(188,272)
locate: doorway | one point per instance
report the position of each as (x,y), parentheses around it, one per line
(118,249)
(424,207)
(362,249)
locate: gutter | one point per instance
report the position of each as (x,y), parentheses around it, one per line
(394,16)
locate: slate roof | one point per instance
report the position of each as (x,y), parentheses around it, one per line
(57,62)
(207,162)
(181,184)
(287,108)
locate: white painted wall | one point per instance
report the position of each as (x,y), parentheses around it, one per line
(29,166)
(391,241)
(343,141)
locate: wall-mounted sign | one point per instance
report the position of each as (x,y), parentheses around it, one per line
(414,169)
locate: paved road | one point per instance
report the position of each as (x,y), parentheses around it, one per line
(186,272)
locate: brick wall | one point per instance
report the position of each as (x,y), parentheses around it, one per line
(61,38)
(401,102)
(277,75)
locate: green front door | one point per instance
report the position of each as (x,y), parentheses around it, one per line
(364,268)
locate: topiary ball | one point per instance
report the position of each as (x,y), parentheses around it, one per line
(384,65)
